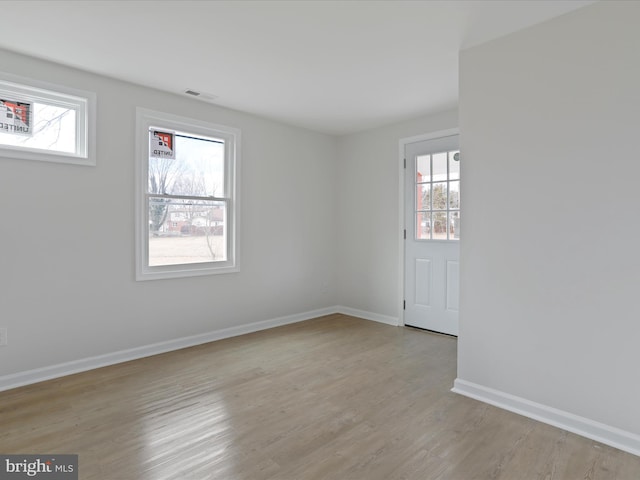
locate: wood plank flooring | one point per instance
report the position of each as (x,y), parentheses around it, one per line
(331,398)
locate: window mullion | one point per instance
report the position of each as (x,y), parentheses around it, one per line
(187,197)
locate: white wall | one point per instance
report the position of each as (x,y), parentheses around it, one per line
(370,256)
(319,228)
(550,121)
(67,288)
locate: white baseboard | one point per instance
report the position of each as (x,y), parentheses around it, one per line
(376,317)
(82,365)
(55,371)
(615,437)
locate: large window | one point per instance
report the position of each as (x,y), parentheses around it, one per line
(187,211)
(40,121)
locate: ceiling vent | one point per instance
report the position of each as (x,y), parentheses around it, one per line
(207,97)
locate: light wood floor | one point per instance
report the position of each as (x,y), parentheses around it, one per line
(331,398)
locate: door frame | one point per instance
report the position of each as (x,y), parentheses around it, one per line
(403,142)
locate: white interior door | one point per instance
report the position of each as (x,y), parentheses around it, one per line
(432,229)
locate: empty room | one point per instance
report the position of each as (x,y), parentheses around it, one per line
(319,240)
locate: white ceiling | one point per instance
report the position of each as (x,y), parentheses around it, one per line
(332,66)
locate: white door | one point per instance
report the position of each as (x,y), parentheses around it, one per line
(432,229)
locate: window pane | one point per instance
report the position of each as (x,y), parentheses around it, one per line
(437,203)
(440,196)
(186,231)
(440,166)
(454,195)
(197,170)
(54,128)
(454,165)
(454,226)
(423,197)
(423,168)
(439,225)
(423,226)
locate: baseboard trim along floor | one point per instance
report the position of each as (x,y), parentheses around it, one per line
(585,427)
(82,365)
(29,377)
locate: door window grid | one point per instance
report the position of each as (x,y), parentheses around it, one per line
(437,196)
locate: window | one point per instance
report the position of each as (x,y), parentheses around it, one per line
(45,122)
(187,212)
(438,196)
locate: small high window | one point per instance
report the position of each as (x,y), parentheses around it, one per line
(40,121)
(187,204)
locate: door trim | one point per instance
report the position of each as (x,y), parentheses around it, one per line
(402,143)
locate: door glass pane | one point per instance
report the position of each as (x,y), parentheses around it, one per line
(423,168)
(454,195)
(423,197)
(440,166)
(454,226)
(440,196)
(423,226)
(439,220)
(437,200)
(454,165)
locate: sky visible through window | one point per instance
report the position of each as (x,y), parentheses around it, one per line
(54,129)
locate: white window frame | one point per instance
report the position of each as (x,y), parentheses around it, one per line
(146,119)
(83,102)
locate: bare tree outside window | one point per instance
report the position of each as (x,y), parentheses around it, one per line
(163,172)
(181,227)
